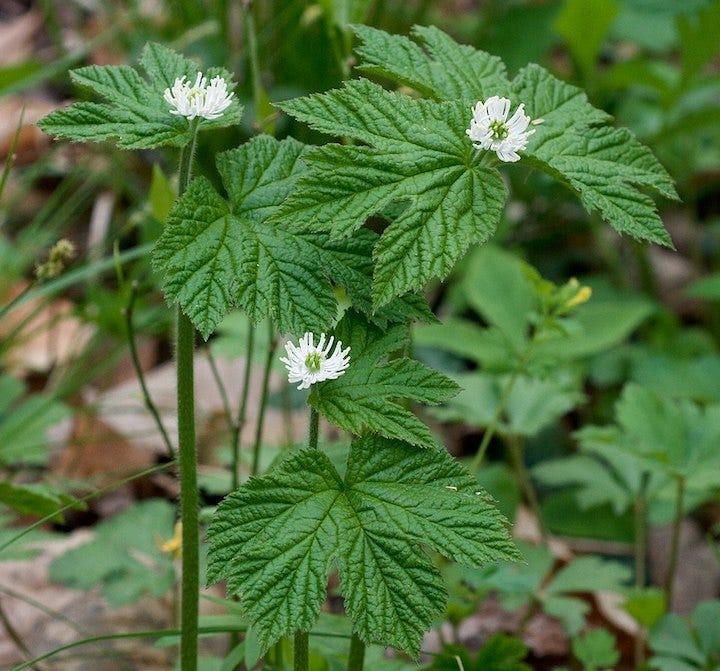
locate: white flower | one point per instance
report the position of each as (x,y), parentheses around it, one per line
(307,363)
(198,99)
(491,129)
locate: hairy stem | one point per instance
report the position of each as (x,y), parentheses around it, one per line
(189,500)
(356,658)
(302,652)
(314,429)
(272,344)
(675,542)
(132,346)
(301,647)
(640,557)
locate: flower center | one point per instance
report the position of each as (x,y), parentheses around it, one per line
(194,93)
(313,361)
(499,130)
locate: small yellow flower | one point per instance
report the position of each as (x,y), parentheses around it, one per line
(582,296)
(173,546)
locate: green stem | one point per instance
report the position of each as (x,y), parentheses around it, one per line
(302,652)
(301,648)
(314,429)
(494,422)
(272,344)
(640,558)
(278,658)
(675,542)
(17,300)
(525,481)
(132,346)
(242,411)
(189,499)
(356,658)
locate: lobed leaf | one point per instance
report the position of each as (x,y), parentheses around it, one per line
(362,399)
(215,254)
(419,155)
(276,538)
(134,114)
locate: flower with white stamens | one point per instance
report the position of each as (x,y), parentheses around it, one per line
(308,363)
(491,129)
(199,99)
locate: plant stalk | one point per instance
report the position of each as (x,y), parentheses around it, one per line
(242,411)
(302,652)
(525,481)
(356,658)
(675,542)
(301,647)
(187,457)
(272,345)
(494,422)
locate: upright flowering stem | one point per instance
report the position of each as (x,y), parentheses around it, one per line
(187,456)
(301,643)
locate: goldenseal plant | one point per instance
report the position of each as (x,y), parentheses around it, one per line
(281,234)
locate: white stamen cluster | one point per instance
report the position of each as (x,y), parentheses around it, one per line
(308,363)
(491,129)
(199,99)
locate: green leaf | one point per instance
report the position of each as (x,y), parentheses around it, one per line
(646,605)
(605,166)
(677,437)
(135,114)
(418,155)
(589,574)
(37,500)
(362,399)
(124,557)
(585,38)
(24,423)
(532,405)
(215,254)
(497,285)
(596,649)
(435,65)
(596,484)
(276,538)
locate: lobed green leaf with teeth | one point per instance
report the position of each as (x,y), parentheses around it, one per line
(134,113)
(416,154)
(363,398)
(277,538)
